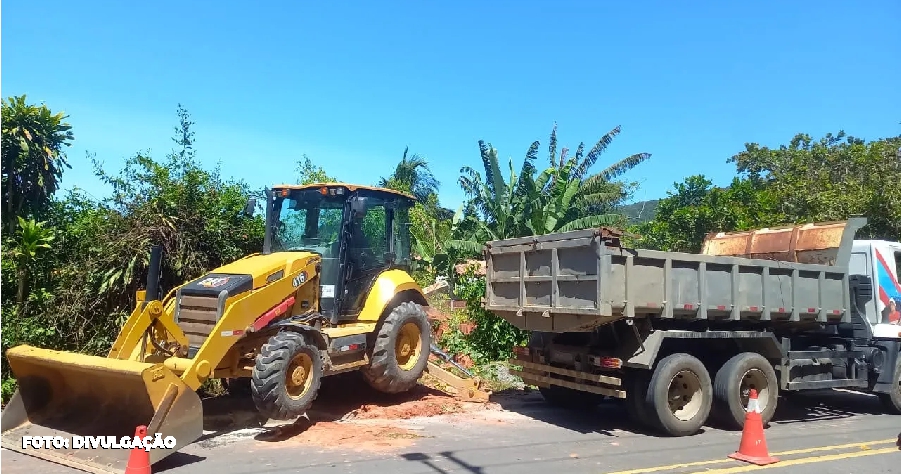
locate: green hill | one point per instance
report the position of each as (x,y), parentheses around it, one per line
(641,211)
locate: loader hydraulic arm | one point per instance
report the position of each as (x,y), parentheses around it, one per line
(151,312)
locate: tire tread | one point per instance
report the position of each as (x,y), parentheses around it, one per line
(267,385)
(382,373)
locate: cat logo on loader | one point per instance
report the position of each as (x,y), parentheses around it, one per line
(261,320)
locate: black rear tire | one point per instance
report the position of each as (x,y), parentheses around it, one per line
(400,351)
(688,376)
(286,377)
(732,385)
(892,401)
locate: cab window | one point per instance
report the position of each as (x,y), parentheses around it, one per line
(368,237)
(898,266)
(400,230)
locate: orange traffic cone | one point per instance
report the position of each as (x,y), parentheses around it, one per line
(139,460)
(753,447)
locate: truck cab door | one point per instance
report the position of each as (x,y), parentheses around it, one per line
(887,269)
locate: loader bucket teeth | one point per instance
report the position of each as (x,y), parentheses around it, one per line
(67,394)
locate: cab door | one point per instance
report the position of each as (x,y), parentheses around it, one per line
(366,254)
(887,267)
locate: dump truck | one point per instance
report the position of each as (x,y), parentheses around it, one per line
(329,293)
(680,339)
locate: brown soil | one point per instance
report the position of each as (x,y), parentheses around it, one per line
(464,360)
(348,415)
(428,405)
(347,396)
(343,397)
(342,436)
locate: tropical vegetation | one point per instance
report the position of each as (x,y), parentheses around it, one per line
(71,263)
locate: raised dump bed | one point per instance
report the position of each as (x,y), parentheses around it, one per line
(576,281)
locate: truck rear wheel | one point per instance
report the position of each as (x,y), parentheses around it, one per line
(679,395)
(892,401)
(285,379)
(401,350)
(732,386)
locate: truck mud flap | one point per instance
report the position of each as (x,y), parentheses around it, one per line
(68,394)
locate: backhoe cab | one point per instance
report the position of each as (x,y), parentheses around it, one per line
(330,292)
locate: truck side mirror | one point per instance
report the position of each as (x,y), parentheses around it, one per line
(250,207)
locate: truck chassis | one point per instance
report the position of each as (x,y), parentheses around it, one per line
(682,338)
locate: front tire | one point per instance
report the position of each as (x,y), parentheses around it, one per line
(679,395)
(732,386)
(401,350)
(286,377)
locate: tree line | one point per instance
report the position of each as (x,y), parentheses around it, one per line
(71,263)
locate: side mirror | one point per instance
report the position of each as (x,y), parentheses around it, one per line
(250,207)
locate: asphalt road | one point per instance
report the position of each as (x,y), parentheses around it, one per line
(827,433)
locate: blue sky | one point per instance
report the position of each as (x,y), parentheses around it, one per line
(352,86)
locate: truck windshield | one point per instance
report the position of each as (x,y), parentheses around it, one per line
(305,220)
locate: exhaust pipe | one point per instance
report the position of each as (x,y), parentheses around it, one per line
(155,273)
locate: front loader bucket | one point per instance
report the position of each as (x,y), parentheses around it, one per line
(67,395)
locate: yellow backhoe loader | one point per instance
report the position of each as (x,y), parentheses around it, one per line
(329,293)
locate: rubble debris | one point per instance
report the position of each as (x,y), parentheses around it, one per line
(440,286)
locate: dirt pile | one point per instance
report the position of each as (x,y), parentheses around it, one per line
(347,415)
(428,405)
(348,397)
(343,436)
(342,397)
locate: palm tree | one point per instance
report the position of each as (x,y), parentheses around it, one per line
(429,227)
(412,175)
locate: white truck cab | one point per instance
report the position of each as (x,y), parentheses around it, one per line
(879,262)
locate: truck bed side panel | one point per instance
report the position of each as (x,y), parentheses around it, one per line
(571,282)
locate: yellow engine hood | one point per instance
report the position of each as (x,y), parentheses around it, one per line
(261,269)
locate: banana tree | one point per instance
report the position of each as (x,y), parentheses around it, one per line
(33,237)
(496,208)
(562,197)
(565,197)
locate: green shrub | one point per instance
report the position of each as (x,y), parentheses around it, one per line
(493,338)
